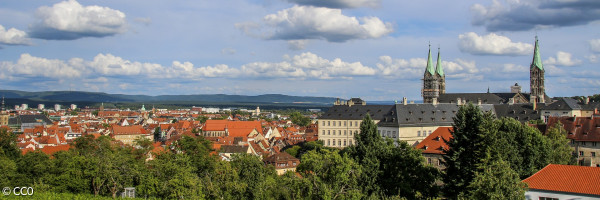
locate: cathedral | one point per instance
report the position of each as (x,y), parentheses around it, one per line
(434,86)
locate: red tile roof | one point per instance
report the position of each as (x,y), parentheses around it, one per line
(579,128)
(128,130)
(566,178)
(435,142)
(49,150)
(215,125)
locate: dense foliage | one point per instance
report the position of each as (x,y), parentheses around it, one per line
(516,149)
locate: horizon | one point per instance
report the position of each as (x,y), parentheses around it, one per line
(372,49)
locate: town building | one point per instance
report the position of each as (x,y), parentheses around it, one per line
(128,134)
(433,146)
(341,122)
(283,162)
(564,182)
(584,133)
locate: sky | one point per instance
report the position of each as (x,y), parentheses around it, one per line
(372,49)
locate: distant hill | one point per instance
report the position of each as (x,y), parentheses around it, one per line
(80,96)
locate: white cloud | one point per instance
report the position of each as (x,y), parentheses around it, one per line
(338,3)
(562,59)
(595,45)
(415,68)
(28,65)
(307,22)
(69,20)
(13,36)
(307,65)
(517,15)
(492,44)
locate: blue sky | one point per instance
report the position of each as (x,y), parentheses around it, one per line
(373,49)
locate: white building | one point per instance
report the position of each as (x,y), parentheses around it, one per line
(56,107)
(41,106)
(210,110)
(73,106)
(24,106)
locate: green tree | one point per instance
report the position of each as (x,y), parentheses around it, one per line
(8,169)
(466,148)
(391,168)
(560,151)
(366,152)
(33,167)
(299,119)
(157,134)
(199,150)
(253,173)
(495,180)
(202,119)
(171,176)
(8,145)
(332,176)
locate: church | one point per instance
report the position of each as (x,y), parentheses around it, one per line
(434,86)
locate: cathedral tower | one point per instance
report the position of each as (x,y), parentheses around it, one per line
(431,88)
(536,76)
(439,70)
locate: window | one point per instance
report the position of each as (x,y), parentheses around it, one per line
(594,144)
(428,160)
(344,142)
(339,132)
(328,123)
(439,162)
(333,142)
(547,198)
(593,154)
(345,132)
(328,132)
(572,141)
(323,132)
(344,123)
(333,123)
(580,153)
(429,132)
(323,123)
(339,142)
(583,143)
(328,143)
(339,123)
(419,133)
(394,134)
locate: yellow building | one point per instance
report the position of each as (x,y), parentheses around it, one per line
(341,122)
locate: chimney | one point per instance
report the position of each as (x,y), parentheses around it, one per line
(458,101)
(404,101)
(586,100)
(478,101)
(511,101)
(434,101)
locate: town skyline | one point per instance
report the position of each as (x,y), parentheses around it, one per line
(375,50)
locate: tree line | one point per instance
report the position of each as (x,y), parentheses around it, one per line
(488,158)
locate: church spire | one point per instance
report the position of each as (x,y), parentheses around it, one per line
(537,59)
(430,68)
(438,68)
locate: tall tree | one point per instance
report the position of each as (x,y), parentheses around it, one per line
(495,180)
(466,148)
(366,152)
(560,152)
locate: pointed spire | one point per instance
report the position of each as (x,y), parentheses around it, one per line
(429,68)
(438,68)
(537,59)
